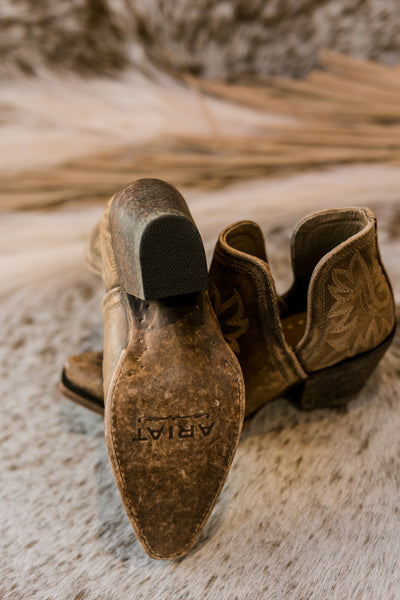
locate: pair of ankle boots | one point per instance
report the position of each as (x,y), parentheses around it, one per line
(188,355)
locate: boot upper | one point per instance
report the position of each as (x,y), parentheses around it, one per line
(247,306)
(341,300)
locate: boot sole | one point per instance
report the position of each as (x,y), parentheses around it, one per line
(175,406)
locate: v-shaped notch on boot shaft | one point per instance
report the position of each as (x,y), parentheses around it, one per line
(339,306)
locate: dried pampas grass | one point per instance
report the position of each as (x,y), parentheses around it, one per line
(346,111)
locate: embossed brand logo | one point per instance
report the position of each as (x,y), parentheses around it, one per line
(175,431)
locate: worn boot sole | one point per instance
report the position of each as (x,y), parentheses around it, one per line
(173,420)
(175,405)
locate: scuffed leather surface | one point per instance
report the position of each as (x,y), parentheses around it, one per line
(145,385)
(113,305)
(251,320)
(165,361)
(350,301)
(173,420)
(84,371)
(315,236)
(339,279)
(115,332)
(108,264)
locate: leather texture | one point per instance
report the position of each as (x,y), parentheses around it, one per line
(341,292)
(340,287)
(349,297)
(244,297)
(84,372)
(173,389)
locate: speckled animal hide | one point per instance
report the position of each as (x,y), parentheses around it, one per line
(310,509)
(211,38)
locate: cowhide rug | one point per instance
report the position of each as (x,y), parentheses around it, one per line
(311,507)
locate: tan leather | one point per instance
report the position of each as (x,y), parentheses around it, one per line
(115,332)
(84,372)
(338,275)
(173,389)
(349,298)
(114,308)
(244,297)
(341,292)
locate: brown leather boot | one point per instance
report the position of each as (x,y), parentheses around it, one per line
(173,389)
(82,380)
(328,332)
(320,342)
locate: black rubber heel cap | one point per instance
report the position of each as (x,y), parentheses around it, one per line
(172,258)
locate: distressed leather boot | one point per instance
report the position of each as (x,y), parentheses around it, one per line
(173,389)
(82,380)
(319,342)
(324,337)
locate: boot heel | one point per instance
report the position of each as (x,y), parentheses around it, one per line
(157,247)
(336,385)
